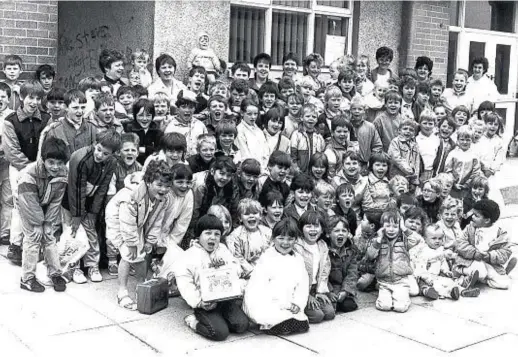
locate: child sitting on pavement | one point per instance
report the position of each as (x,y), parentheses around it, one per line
(393,267)
(213,320)
(484,248)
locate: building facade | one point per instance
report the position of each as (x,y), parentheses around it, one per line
(70,35)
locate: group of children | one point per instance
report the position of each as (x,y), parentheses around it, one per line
(309,189)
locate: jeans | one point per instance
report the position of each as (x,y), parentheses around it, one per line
(216,324)
(6,210)
(93,255)
(31,252)
(325,312)
(16,228)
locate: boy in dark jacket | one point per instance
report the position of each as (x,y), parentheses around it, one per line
(91,170)
(20,140)
(393,268)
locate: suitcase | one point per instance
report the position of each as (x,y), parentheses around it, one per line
(152,296)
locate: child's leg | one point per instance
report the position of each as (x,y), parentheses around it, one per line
(111,252)
(124,268)
(211,324)
(50,254)
(30,255)
(92,256)
(384,300)
(401,296)
(315,315)
(140,271)
(346,305)
(495,280)
(236,319)
(16,228)
(365,281)
(479,266)
(328,310)
(412,285)
(6,203)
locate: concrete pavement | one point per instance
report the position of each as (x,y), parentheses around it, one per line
(85,320)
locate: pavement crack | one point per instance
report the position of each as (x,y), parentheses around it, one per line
(478,342)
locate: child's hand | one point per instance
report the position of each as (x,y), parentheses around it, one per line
(207,306)
(132,252)
(333,297)
(478,256)
(218,262)
(313,303)
(323,298)
(459,187)
(148,247)
(74,224)
(448,274)
(294,309)
(342,295)
(38,232)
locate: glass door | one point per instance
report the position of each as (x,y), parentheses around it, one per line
(501,52)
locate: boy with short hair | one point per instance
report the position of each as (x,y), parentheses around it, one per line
(40,190)
(90,172)
(74,129)
(206,147)
(20,140)
(388,121)
(226,133)
(6,198)
(239,91)
(404,154)
(306,141)
(134,225)
(139,62)
(56,104)
(393,267)
(484,248)
(407,86)
(124,104)
(302,187)
(279,165)
(422,99)
(103,118)
(91,87)
(13,67)
(46,74)
(196,84)
(163,109)
(338,146)
(111,63)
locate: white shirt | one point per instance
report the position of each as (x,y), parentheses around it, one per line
(428,147)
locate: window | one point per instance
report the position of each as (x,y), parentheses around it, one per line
(490,15)
(278,27)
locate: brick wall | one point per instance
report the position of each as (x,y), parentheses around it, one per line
(29,29)
(428,34)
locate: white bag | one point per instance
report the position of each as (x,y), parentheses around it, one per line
(72,249)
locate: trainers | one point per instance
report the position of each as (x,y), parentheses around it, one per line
(430,293)
(455,293)
(470,281)
(95,275)
(191,321)
(78,277)
(32,285)
(510,266)
(60,284)
(14,254)
(4,240)
(113,269)
(470,292)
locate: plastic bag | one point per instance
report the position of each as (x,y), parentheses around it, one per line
(72,249)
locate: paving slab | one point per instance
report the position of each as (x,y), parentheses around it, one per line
(103,341)
(31,315)
(102,297)
(12,344)
(9,277)
(504,345)
(344,334)
(261,345)
(167,332)
(427,326)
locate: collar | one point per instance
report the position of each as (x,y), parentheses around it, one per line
(22,115)
(112,81)
(373,179)
(76,126)
(336,145)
